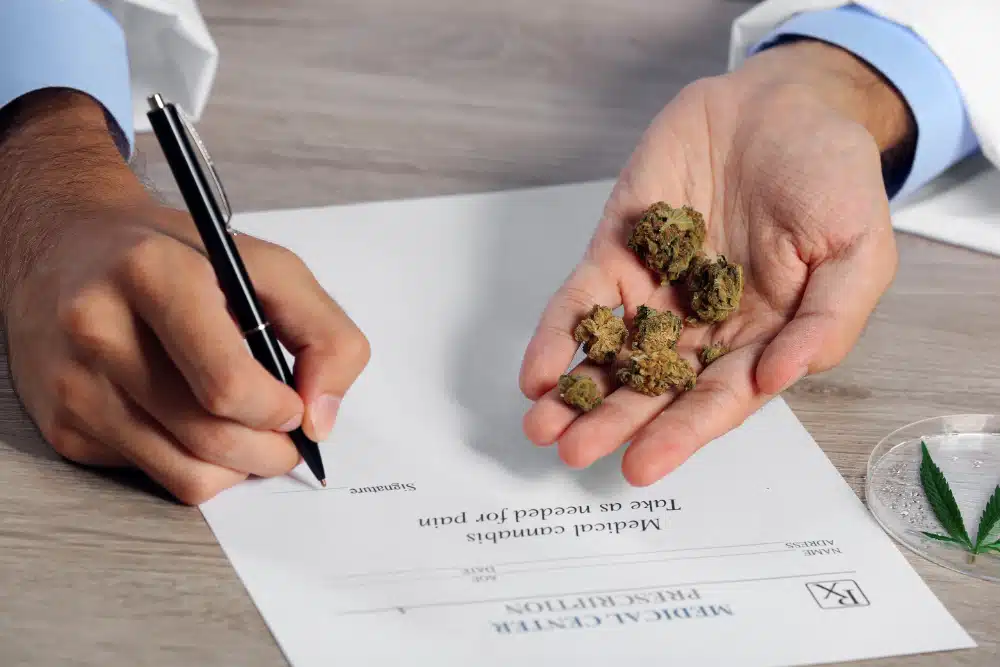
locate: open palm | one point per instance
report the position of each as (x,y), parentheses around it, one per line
(789,190)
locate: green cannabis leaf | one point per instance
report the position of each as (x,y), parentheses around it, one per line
(942,500)
(990,518)
(945,508)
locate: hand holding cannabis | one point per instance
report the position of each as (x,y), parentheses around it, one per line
(670,242)
(760,224)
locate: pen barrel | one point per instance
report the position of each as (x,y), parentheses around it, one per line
(212,222)
(266,350)
(209,219)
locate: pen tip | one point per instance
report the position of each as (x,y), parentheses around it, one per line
(323,482)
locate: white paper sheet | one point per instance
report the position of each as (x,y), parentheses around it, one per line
(170,52)
(445,538)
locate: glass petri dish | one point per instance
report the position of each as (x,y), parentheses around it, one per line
(967,450)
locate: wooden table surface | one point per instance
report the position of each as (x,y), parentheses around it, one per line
(335,101)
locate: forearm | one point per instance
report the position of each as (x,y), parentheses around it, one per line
(57,154)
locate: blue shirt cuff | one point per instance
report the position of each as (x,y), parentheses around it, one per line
(944,132)
(73,44)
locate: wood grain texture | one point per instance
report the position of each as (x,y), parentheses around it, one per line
(335,101)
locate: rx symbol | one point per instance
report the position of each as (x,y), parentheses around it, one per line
(837,594)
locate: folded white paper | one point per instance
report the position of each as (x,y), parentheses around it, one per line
(170,52)
(445,538)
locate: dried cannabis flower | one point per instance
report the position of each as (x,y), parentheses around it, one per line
(653,373)
(656,330)
(579,391)
(715,287)
(713,352)
(666,239)
(602,333)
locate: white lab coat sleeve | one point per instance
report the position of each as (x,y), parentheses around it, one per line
(170,52)
(961,33)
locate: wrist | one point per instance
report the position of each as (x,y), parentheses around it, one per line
(841,82)
(58,163)
(51,134)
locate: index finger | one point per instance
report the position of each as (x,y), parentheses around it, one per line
(175,291)
(552,347)
(330,350)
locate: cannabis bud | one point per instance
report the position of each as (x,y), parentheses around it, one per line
(666,239)
(653,373)
(713,352)
(602,333)
(579,391)
(715,287)
(655,330)
(669,241)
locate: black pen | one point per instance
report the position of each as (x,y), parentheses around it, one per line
(208,205)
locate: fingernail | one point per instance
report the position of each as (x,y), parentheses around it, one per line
(291,424)
(324,412)
(796,376)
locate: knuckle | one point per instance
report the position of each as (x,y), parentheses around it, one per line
(75,314)
(213,442)
(83,322)
(196,489)
(153,264)
(200,270)
(140,266)
(223,390)
(356,346)
(291,258)
(276,257)
(287,257)
(67,442)
(72,390)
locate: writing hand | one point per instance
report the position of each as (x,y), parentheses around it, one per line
(783,158)
(121,345)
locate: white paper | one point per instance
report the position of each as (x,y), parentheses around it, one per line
(755,552)
(170,52)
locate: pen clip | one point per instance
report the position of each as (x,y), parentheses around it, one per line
(222,198)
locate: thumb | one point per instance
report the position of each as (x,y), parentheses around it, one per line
(330,350)
(840,295)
